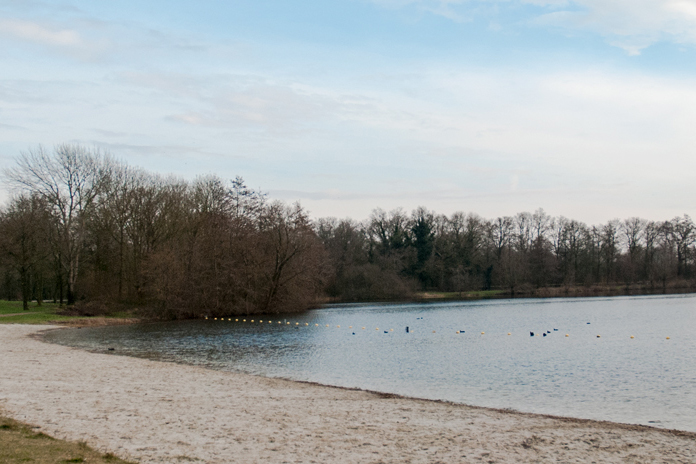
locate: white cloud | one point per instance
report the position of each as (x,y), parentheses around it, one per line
(629,24)
(241,102)
(685,6)
(78,42)
(37,33)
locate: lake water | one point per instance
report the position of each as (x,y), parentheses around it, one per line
(648,379)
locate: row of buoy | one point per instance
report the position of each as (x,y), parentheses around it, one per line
(408,329)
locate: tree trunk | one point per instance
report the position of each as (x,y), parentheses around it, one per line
(26,287)
(39,288)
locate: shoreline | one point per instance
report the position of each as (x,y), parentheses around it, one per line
(39,336)
(569,293)
(578,420)
(142,412)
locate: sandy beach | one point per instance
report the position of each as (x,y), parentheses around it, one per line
(150,411)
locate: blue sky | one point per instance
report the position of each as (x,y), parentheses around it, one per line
(585,108)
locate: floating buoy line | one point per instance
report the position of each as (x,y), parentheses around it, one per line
(408,330)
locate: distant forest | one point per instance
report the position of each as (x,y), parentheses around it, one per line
(84,228)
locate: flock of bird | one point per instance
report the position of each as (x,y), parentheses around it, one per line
(408,329)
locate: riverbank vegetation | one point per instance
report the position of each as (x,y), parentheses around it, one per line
(12,312)
(103,237)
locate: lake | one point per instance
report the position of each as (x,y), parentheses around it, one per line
(493,361)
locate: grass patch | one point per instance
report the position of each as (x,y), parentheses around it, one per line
(13,307)
(11,313)
(20,443)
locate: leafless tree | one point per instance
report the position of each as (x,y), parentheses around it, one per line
(23,234)
(69,180)
(633,231)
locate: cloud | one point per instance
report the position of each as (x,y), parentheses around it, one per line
(632,25)
(242,102)
(12,127)
(70,41)
(445,8)
(37,33)
(91,39)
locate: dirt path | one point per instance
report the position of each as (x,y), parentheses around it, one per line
(161,412)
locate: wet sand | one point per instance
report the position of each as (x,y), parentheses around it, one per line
(150,411)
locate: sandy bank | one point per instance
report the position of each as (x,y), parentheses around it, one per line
(161,412)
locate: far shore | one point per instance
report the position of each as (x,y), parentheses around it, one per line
(149,411)
(543,292)
(52,313)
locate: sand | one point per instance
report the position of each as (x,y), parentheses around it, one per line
(150,411)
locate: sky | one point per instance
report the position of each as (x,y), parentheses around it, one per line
(585,108)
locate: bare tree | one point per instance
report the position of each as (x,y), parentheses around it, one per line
(684,234)
(292,259)
(69,180)
(610,247)
(501,234)
(23,236)
(633,230)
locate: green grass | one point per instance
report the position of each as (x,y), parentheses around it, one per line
(20,443)
(44,314)
(35,315)
(10,307)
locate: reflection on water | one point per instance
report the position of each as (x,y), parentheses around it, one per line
(645,380)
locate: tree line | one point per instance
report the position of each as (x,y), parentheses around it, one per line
(393,253)
(83,227)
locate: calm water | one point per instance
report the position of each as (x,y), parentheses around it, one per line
(645,380)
